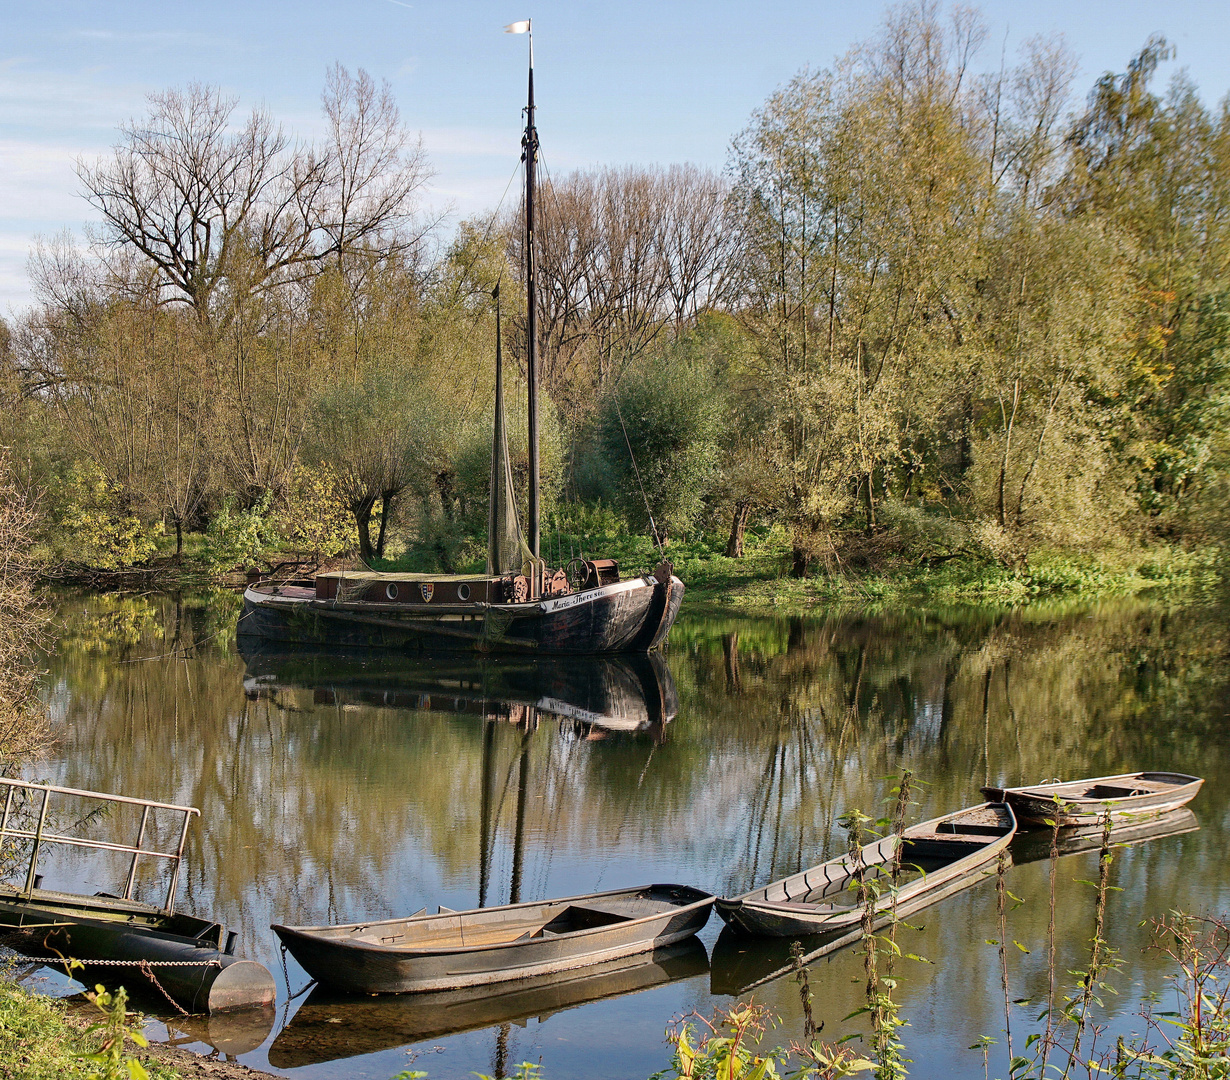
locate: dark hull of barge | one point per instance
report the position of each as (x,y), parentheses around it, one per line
(192,965)
(628,616)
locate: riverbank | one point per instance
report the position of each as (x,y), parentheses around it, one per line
(44,1038)
(883,571)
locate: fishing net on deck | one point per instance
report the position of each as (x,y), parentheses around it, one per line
(506,547)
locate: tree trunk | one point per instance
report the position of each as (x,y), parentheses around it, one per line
(179,539)
(799,558)
(869,503)
(386,508)
(444,485)
(363,521)
(734,546)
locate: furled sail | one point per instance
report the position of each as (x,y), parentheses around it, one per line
(505,546)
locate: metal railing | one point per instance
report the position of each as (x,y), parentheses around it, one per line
(42,838)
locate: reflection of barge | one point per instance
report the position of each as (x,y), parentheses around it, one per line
(329,1026)
(632,694)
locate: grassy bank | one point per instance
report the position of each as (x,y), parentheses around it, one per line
(41,1038)
(885,570)
(892,572)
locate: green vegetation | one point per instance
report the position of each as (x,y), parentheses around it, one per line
(930,333)
(38,1040)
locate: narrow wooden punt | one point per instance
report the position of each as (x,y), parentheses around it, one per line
(1084,802)
(455,949)
(938,857)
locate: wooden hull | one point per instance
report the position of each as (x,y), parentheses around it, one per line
(1085,802)
(373,1024)
(101,929)
(516,941)
(741,963)
(953,851)
(628,616)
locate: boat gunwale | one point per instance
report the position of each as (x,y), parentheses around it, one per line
(543,605)
(320,935)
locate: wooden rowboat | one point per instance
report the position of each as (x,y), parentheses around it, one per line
(1084,802)
(454,949)
(937,858)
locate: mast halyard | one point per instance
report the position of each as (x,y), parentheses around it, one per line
(529,143)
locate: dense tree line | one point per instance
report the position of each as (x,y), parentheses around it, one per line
(921,304)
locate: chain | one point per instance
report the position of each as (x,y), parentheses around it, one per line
(149,974)
(56,961)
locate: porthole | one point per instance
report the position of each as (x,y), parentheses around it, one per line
(463,592)
(390,591)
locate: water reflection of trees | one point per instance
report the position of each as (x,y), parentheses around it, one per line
(316,811)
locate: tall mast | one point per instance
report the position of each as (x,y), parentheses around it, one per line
(530,144)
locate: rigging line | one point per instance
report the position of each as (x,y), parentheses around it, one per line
(637,472)
(490,225)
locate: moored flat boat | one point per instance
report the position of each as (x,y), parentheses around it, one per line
(1084,802)
(936,858)
(115,939)
(455,949)
(520,604)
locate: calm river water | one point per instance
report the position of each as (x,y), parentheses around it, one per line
(339,789)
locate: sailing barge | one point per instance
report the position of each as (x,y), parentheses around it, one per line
(520,604)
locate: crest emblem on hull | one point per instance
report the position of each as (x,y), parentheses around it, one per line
(427,588)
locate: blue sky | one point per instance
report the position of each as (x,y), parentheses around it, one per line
(630,82)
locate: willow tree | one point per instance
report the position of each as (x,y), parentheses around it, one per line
(1156,168)
(857,192)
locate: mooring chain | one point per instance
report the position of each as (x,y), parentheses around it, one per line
(57,961)
(149,974)
(146,967)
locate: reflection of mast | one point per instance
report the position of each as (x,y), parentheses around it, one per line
(514,888)
(484,824)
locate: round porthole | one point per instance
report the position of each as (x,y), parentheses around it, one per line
(390,591)
(463,592)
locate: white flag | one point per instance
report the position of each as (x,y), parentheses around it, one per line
(518,27)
